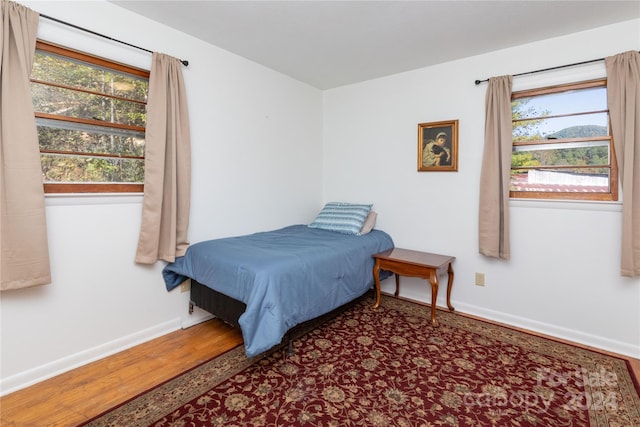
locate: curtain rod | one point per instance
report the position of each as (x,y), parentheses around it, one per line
(184,62)
(548,69)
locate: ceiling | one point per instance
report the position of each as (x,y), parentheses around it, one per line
(333,43)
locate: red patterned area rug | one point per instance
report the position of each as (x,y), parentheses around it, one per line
(389,367)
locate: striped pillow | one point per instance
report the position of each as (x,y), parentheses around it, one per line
(346,218)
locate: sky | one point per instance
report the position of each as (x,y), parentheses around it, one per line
(571,102)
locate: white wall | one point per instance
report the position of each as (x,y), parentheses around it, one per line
(256,150)
(564,275)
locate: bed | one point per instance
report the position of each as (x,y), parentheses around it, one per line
(267,283)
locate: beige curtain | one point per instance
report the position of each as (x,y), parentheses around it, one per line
(496,164)
(167,180)
(623,98)
(23,231)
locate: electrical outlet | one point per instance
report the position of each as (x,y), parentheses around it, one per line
(185,286)
(479,279)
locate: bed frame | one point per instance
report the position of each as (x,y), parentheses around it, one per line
(220,305)
(229,311)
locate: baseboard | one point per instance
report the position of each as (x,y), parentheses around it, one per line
(57,367)
(198,316)
(551,330)
(578,337)
(65,364)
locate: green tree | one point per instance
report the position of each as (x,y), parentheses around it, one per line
(84,91)
(525,129)
(523,159)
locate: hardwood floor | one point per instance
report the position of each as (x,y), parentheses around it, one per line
(78,395)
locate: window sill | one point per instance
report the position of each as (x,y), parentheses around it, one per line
(584,205)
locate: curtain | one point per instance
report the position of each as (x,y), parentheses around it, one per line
(493,231)
(167,175)
(23,231)
(623,99)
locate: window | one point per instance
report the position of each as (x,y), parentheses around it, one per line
(562,146)
(90,116)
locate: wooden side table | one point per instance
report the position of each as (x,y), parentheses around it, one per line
(406,262)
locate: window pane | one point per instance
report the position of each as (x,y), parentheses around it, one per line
(90,117)
(567,102)
(68,72)
(579,126)
(81,138)
(71,103)
(561,180)
(562,148)
(66,168)
(565,154)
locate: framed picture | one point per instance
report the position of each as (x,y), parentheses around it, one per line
(438,146)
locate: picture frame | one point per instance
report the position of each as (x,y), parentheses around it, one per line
(435,153)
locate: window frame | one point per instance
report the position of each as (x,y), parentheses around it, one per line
(89,187)
(610,196)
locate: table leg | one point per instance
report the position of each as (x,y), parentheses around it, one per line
(376,279)
(397,284)
(449,286)
(433,280)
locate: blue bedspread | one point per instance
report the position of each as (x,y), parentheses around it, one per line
(285,276)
